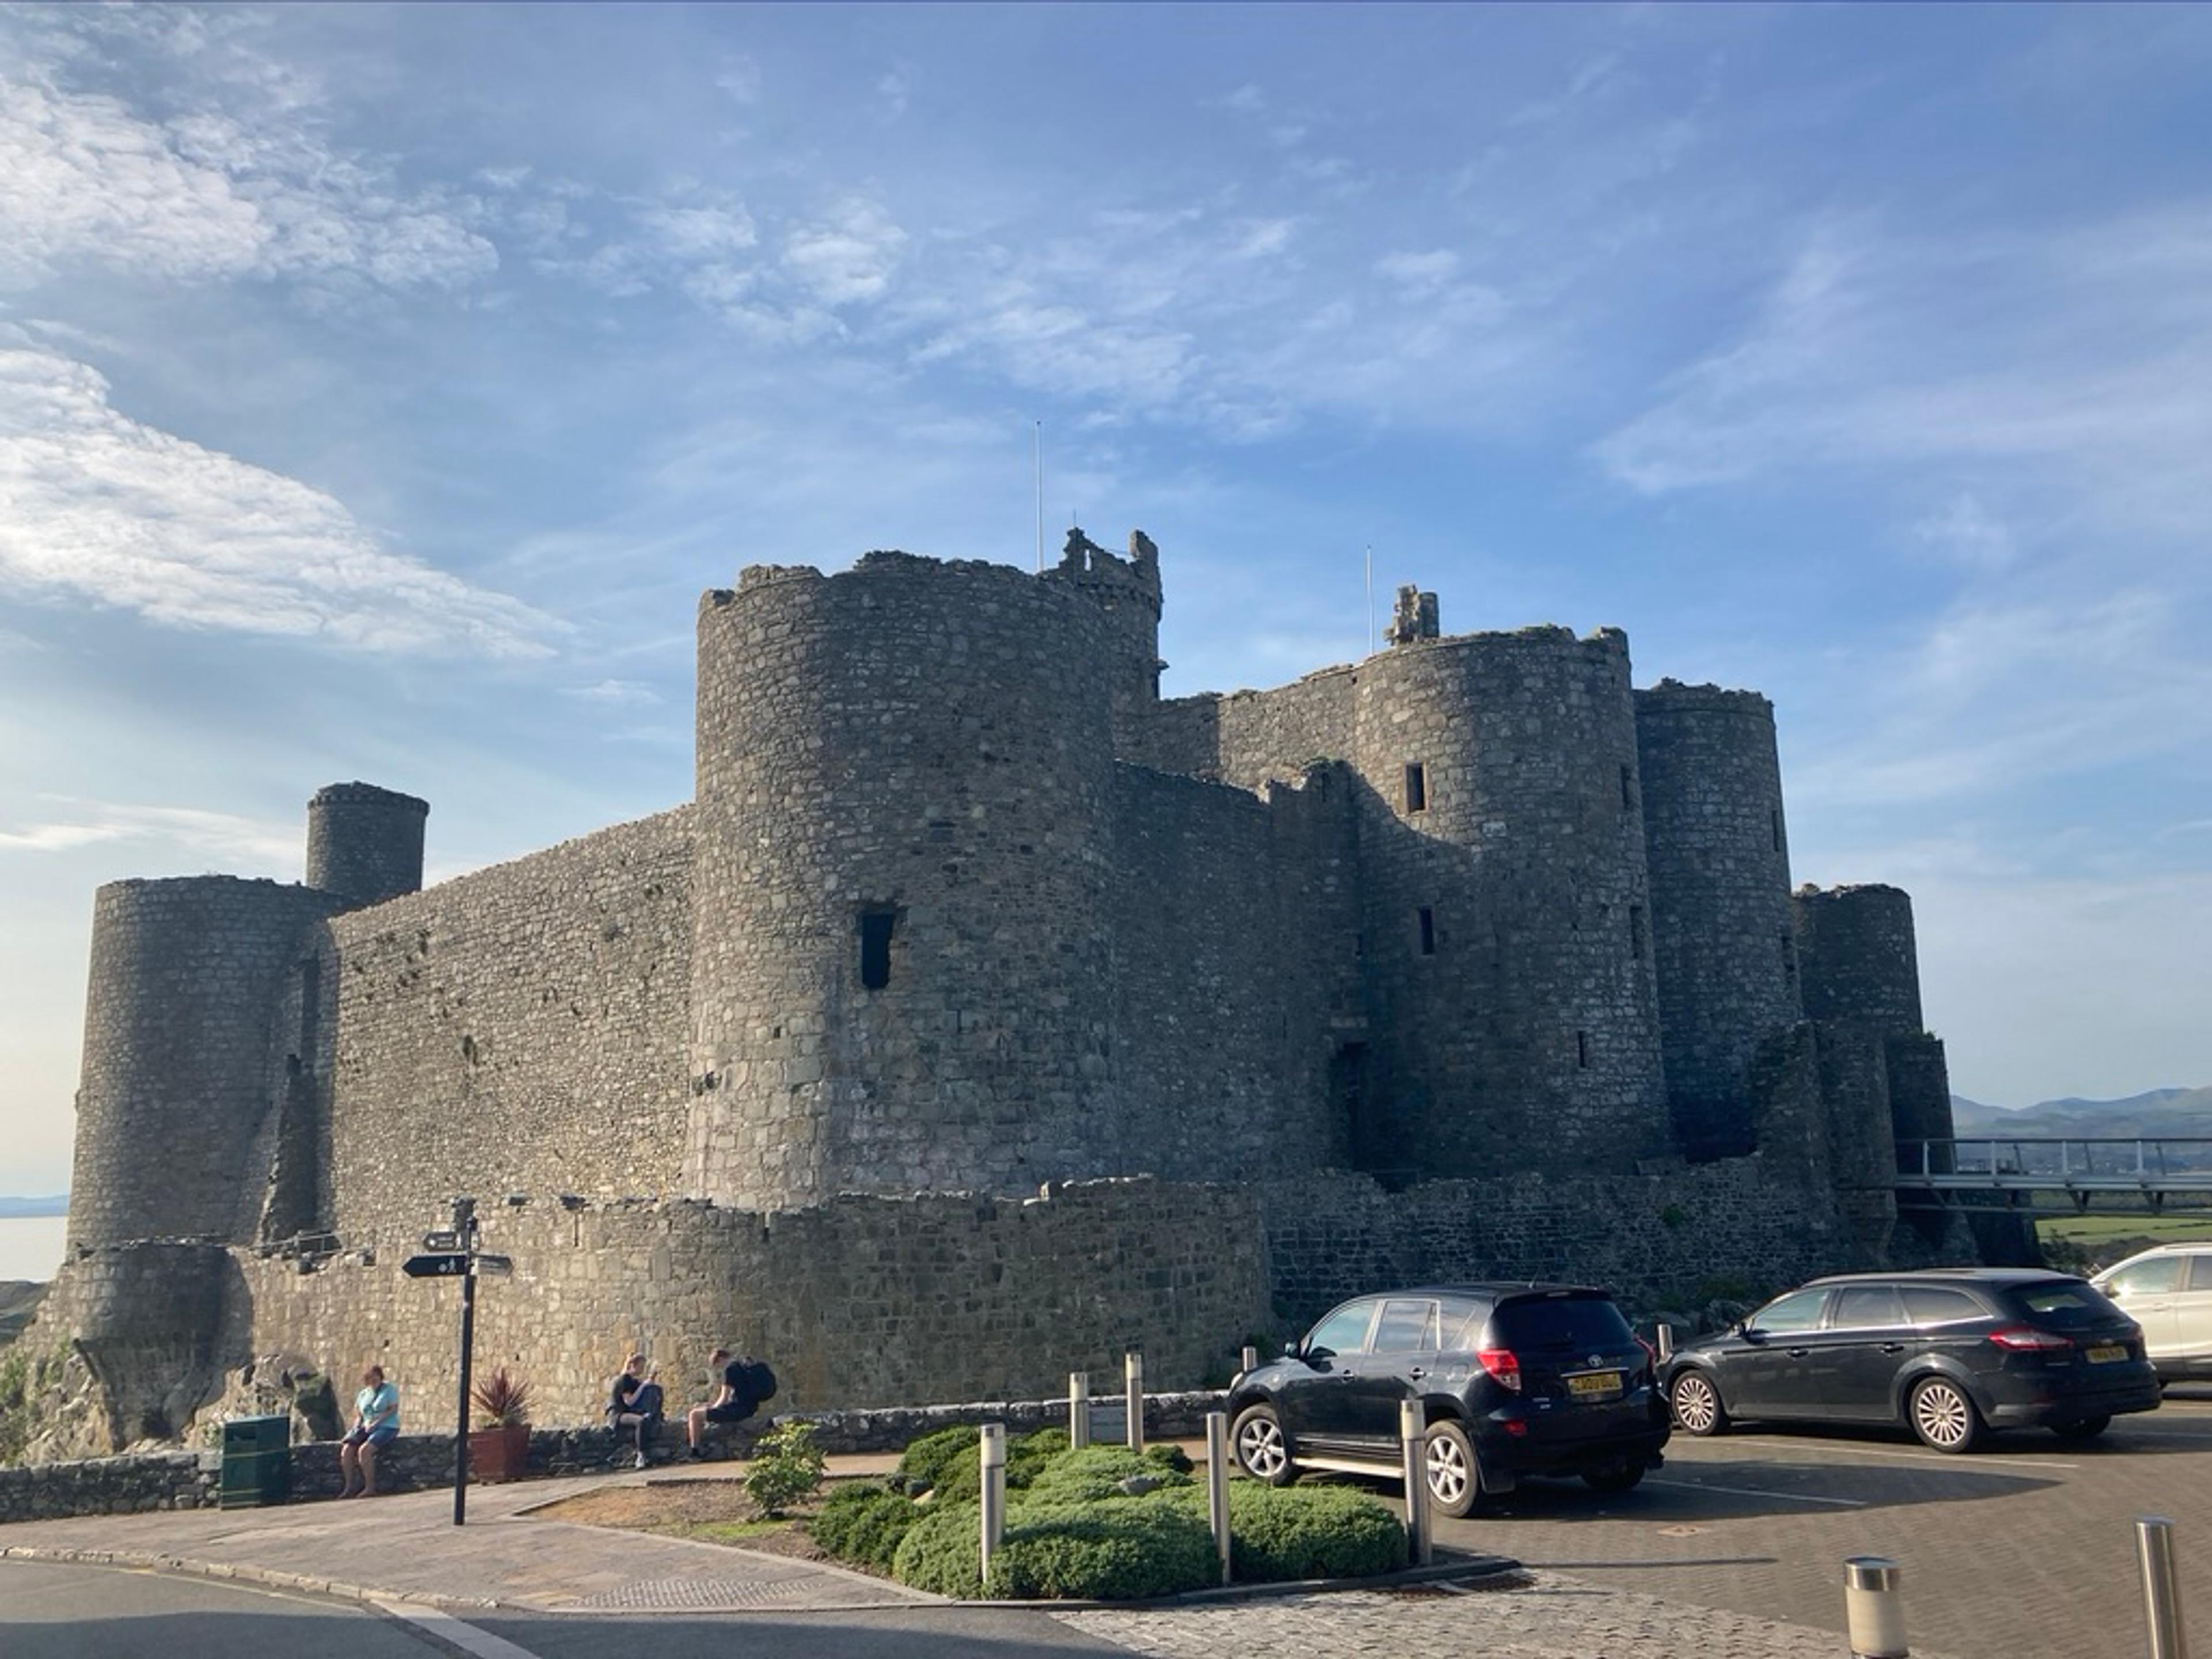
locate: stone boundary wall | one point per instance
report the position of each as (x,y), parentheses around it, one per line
(144,1482)
(1648,1238)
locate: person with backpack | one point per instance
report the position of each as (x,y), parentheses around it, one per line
(747,1385)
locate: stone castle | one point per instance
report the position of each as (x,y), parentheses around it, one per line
(984,1013)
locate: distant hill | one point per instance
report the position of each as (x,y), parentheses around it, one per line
(19,1300)
(56,1204)
(2176,1112)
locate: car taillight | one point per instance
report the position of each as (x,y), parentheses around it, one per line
(1504,1367)
(2026,1338)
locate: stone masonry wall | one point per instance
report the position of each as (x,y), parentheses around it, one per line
(517,1029)
(1222,1014)
(864,1301)
(1647,1239)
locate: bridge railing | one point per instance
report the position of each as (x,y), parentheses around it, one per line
(2172,1161)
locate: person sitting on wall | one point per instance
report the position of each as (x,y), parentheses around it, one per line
(747,1384)
(375,1425)
(636,1403)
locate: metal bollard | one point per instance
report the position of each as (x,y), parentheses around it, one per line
(995,1492)
(1217,1485)
(1133,1378)
(1873,1611)
(1079,1409)
(1414,1444)
(1250,1358)
(1666,1341)
(2162,1593)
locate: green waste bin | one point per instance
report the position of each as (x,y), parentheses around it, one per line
(257,1461)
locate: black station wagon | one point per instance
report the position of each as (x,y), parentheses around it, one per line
(1513,1379)
(1951,1352)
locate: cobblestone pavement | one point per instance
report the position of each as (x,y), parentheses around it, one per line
(1548,1615)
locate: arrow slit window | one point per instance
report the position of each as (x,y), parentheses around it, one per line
(876,924)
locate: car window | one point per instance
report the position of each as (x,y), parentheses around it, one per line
(1800,1310)
(1344,1331)
(1558,1323)
(2148,1278)
(2200,1272)
(2062,1302)
(1406,1326)
(1866,1307)
(1463,1318)
(1928,1305)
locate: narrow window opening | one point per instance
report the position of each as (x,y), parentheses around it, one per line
(1775,818)
(1627,790)
(1639,932)
(1582,1050)
(1417,786)
(1788,960)
(876,948)
(1428,932)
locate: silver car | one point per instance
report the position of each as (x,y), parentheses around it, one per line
(2168,1291)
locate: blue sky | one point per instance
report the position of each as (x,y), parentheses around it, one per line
(378,388)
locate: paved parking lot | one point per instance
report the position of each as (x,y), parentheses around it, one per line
(2025,1547)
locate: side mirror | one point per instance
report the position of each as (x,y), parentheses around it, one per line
(1317,1356)
(1750,1333)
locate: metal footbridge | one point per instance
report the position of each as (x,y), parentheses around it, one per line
(2054,1176)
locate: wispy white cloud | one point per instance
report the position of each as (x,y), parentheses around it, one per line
(84,179)
(104,510)
(616,694)
(1966,531)
(224,837)
(846,255)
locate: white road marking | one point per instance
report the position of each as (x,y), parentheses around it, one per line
(1964,1462)
(1751,1491)
(456,1633)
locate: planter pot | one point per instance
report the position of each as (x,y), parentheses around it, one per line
(499,1454)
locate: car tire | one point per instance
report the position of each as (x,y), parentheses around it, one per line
(2088,1429)
(1257,1443)
(1696,1399)
(1624,1476)
(1454,1475)
(1943,1415)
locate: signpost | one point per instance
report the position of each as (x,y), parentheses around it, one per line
(451,1252)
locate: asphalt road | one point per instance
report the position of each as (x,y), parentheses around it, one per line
(2024,1548)
(57,1612)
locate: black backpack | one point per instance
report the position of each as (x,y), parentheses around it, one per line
(760,1381)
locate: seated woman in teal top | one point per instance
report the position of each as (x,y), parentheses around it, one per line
(375,1425)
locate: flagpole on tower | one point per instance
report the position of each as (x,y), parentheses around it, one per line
(1040,495)
(1368,649)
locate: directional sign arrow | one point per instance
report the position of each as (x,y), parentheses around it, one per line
(446,1264)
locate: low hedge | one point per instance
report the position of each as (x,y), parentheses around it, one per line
(921,1465)
(1074,1531)
(865,1524)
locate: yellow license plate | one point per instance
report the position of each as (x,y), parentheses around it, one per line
(1595,1385)
(2105,1356)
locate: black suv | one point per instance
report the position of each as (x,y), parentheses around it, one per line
(1952,1351)
(1514,1379)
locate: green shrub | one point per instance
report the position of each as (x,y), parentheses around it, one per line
(1096,1472)
(940,1553)
(921,1465)
(1108,1552)
(1117,1550)
(1174,1456)
(864,1524)
(786,1467)
(1286,1532)
(960,1478)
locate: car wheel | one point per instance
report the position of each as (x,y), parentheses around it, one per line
(2088,1429)
(1261,1450)
(1455,1480)
(1697,1402)
(1942,1416)
(1624,1476)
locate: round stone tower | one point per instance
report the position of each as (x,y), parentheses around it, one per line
(1714,840)
(1858,957)
(179,1059)
(901,965)
(365,844)
(1513,1008)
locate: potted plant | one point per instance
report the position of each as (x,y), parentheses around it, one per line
(499,1447)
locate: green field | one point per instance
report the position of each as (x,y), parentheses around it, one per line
(2093,1230)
